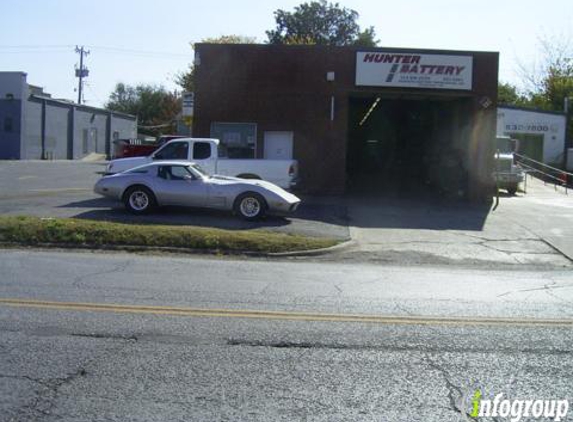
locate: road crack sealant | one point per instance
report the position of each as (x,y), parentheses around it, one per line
(43,404)
(118,268)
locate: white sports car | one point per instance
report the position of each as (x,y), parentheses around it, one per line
(185,183)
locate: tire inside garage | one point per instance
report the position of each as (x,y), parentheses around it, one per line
(408,146)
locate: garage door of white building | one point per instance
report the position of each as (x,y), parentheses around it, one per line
(278,145)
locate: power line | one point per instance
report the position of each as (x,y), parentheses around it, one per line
(141,53)
(89,86)
(26,46)
(23,49)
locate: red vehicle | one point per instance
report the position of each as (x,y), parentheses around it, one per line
(137,148)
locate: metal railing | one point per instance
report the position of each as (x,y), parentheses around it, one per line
(546,173)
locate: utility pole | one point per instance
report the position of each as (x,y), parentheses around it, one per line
(82,72)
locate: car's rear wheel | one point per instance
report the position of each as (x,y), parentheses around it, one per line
(250,206)
(139,200)
(512,190)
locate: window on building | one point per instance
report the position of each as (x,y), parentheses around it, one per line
(238,140)
(8,124)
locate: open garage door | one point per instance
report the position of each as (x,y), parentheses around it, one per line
(407,145)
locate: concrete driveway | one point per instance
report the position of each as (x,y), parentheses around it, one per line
(528,229)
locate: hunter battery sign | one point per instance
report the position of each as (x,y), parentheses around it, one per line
(413,70)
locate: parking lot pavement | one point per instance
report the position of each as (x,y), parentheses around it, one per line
(533,229)
(64,189)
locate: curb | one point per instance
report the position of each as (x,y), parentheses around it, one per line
(170,249)
(315,252)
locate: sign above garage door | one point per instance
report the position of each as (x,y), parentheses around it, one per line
(409,70)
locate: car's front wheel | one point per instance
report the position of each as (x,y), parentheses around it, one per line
(250,206)
(139,200)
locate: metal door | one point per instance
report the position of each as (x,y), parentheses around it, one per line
(278,145)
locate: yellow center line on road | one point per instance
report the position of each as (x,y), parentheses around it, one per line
(285,315)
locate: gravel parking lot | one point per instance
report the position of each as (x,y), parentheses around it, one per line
(64,189)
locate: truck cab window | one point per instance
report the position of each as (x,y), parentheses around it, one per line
(173,151)
(201,150)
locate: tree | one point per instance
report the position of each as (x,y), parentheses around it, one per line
(508,94)
(186,79)
(154,106)
(322,23)
(558,83)
(549,82)
(230,39)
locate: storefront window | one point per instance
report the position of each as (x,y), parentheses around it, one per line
(238,140)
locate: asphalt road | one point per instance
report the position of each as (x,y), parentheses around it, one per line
(204,339)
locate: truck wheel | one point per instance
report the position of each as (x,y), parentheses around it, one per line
(250,206)
(139,200)
(512,191)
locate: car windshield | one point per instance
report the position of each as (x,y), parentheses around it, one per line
(198,169)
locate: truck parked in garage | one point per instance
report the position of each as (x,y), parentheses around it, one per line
(205,152)
(507,174)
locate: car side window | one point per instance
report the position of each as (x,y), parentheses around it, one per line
(179,173)
(173,173)
(173,151)
(201,150)
(164,172)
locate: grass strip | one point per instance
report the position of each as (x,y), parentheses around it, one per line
(98,234)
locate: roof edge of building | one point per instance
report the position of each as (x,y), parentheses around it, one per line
(348,48)
(532,109)
(82,106)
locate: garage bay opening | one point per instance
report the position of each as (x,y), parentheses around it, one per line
(407,146)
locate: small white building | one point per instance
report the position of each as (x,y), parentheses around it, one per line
(541,134)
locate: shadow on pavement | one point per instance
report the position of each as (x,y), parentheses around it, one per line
(398,212)
(363,211)
(92,203)
(109,210)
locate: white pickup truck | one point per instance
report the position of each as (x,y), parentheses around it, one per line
(204,152)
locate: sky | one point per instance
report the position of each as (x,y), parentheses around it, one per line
(149,41)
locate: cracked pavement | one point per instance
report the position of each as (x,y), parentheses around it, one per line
(82,365)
